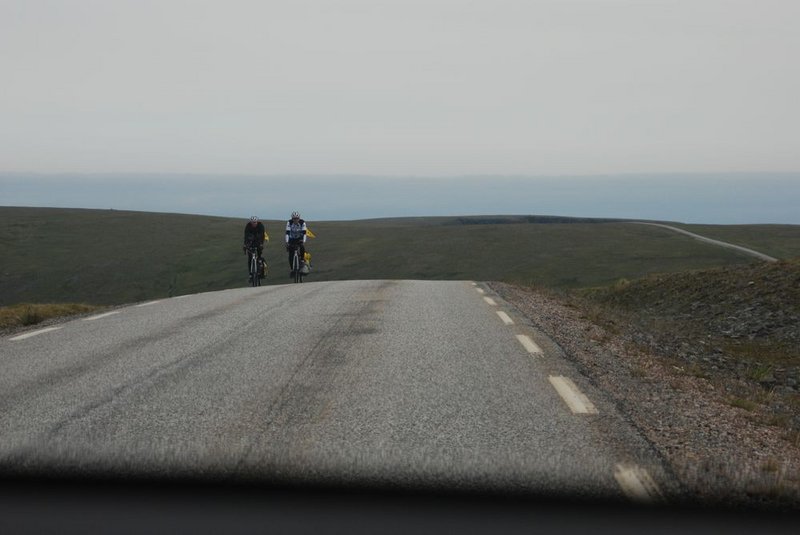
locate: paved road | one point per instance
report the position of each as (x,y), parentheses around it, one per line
(403,383)
(745,250)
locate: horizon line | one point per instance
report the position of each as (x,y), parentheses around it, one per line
(404,176)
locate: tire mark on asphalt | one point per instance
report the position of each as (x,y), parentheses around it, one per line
(150,379)
(306,393)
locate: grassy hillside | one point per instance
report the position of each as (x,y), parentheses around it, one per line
(736,326)
(548,253)
(109,257)
(780,241)
(736,307)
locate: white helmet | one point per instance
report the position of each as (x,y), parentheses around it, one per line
(295,215)
(254,219)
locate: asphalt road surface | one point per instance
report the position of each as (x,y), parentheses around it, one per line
(398,383)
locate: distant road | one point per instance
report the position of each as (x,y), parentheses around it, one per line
(404,383)
(739,248)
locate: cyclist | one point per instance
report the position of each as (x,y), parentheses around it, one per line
(296,234)
(254,235)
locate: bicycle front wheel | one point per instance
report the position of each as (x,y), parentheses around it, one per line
(254,280)
(296,267)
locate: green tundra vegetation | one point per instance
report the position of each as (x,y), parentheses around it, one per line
(106,257)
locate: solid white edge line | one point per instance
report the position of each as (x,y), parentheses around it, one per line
(148,304)
(100,316)
(490,301)
(637,484)
(505,317)
(577,402)
(529,344)
(35,333)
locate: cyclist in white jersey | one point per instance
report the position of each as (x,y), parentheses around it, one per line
(296,235)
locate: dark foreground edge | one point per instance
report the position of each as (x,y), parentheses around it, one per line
(155,505)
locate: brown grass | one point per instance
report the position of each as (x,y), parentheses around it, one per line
(745,404)
(26,314)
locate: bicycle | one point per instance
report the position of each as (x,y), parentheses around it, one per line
(255,272)
(297,273)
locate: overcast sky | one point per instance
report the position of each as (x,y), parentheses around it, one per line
(405,87)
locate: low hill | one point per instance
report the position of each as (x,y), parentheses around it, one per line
(739,310)
(780,241)
(706,363)
(735,326)
(111,257)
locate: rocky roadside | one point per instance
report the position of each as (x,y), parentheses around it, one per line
(723,454)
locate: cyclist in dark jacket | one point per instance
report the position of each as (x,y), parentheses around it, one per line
(255,234)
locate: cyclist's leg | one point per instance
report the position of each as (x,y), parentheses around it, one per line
(292,247)
(260,263)
(247,244)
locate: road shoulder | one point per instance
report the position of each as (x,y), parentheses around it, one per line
(719,453)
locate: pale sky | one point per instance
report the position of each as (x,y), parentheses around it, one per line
(400,87)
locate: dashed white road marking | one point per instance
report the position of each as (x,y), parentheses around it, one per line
(490,301)
(505,317)
(100,316)
(480,291)
(576,400)
(529,344)
(35,333)
(148,304)
(637,484)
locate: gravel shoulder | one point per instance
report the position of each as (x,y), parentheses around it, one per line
(721,453)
